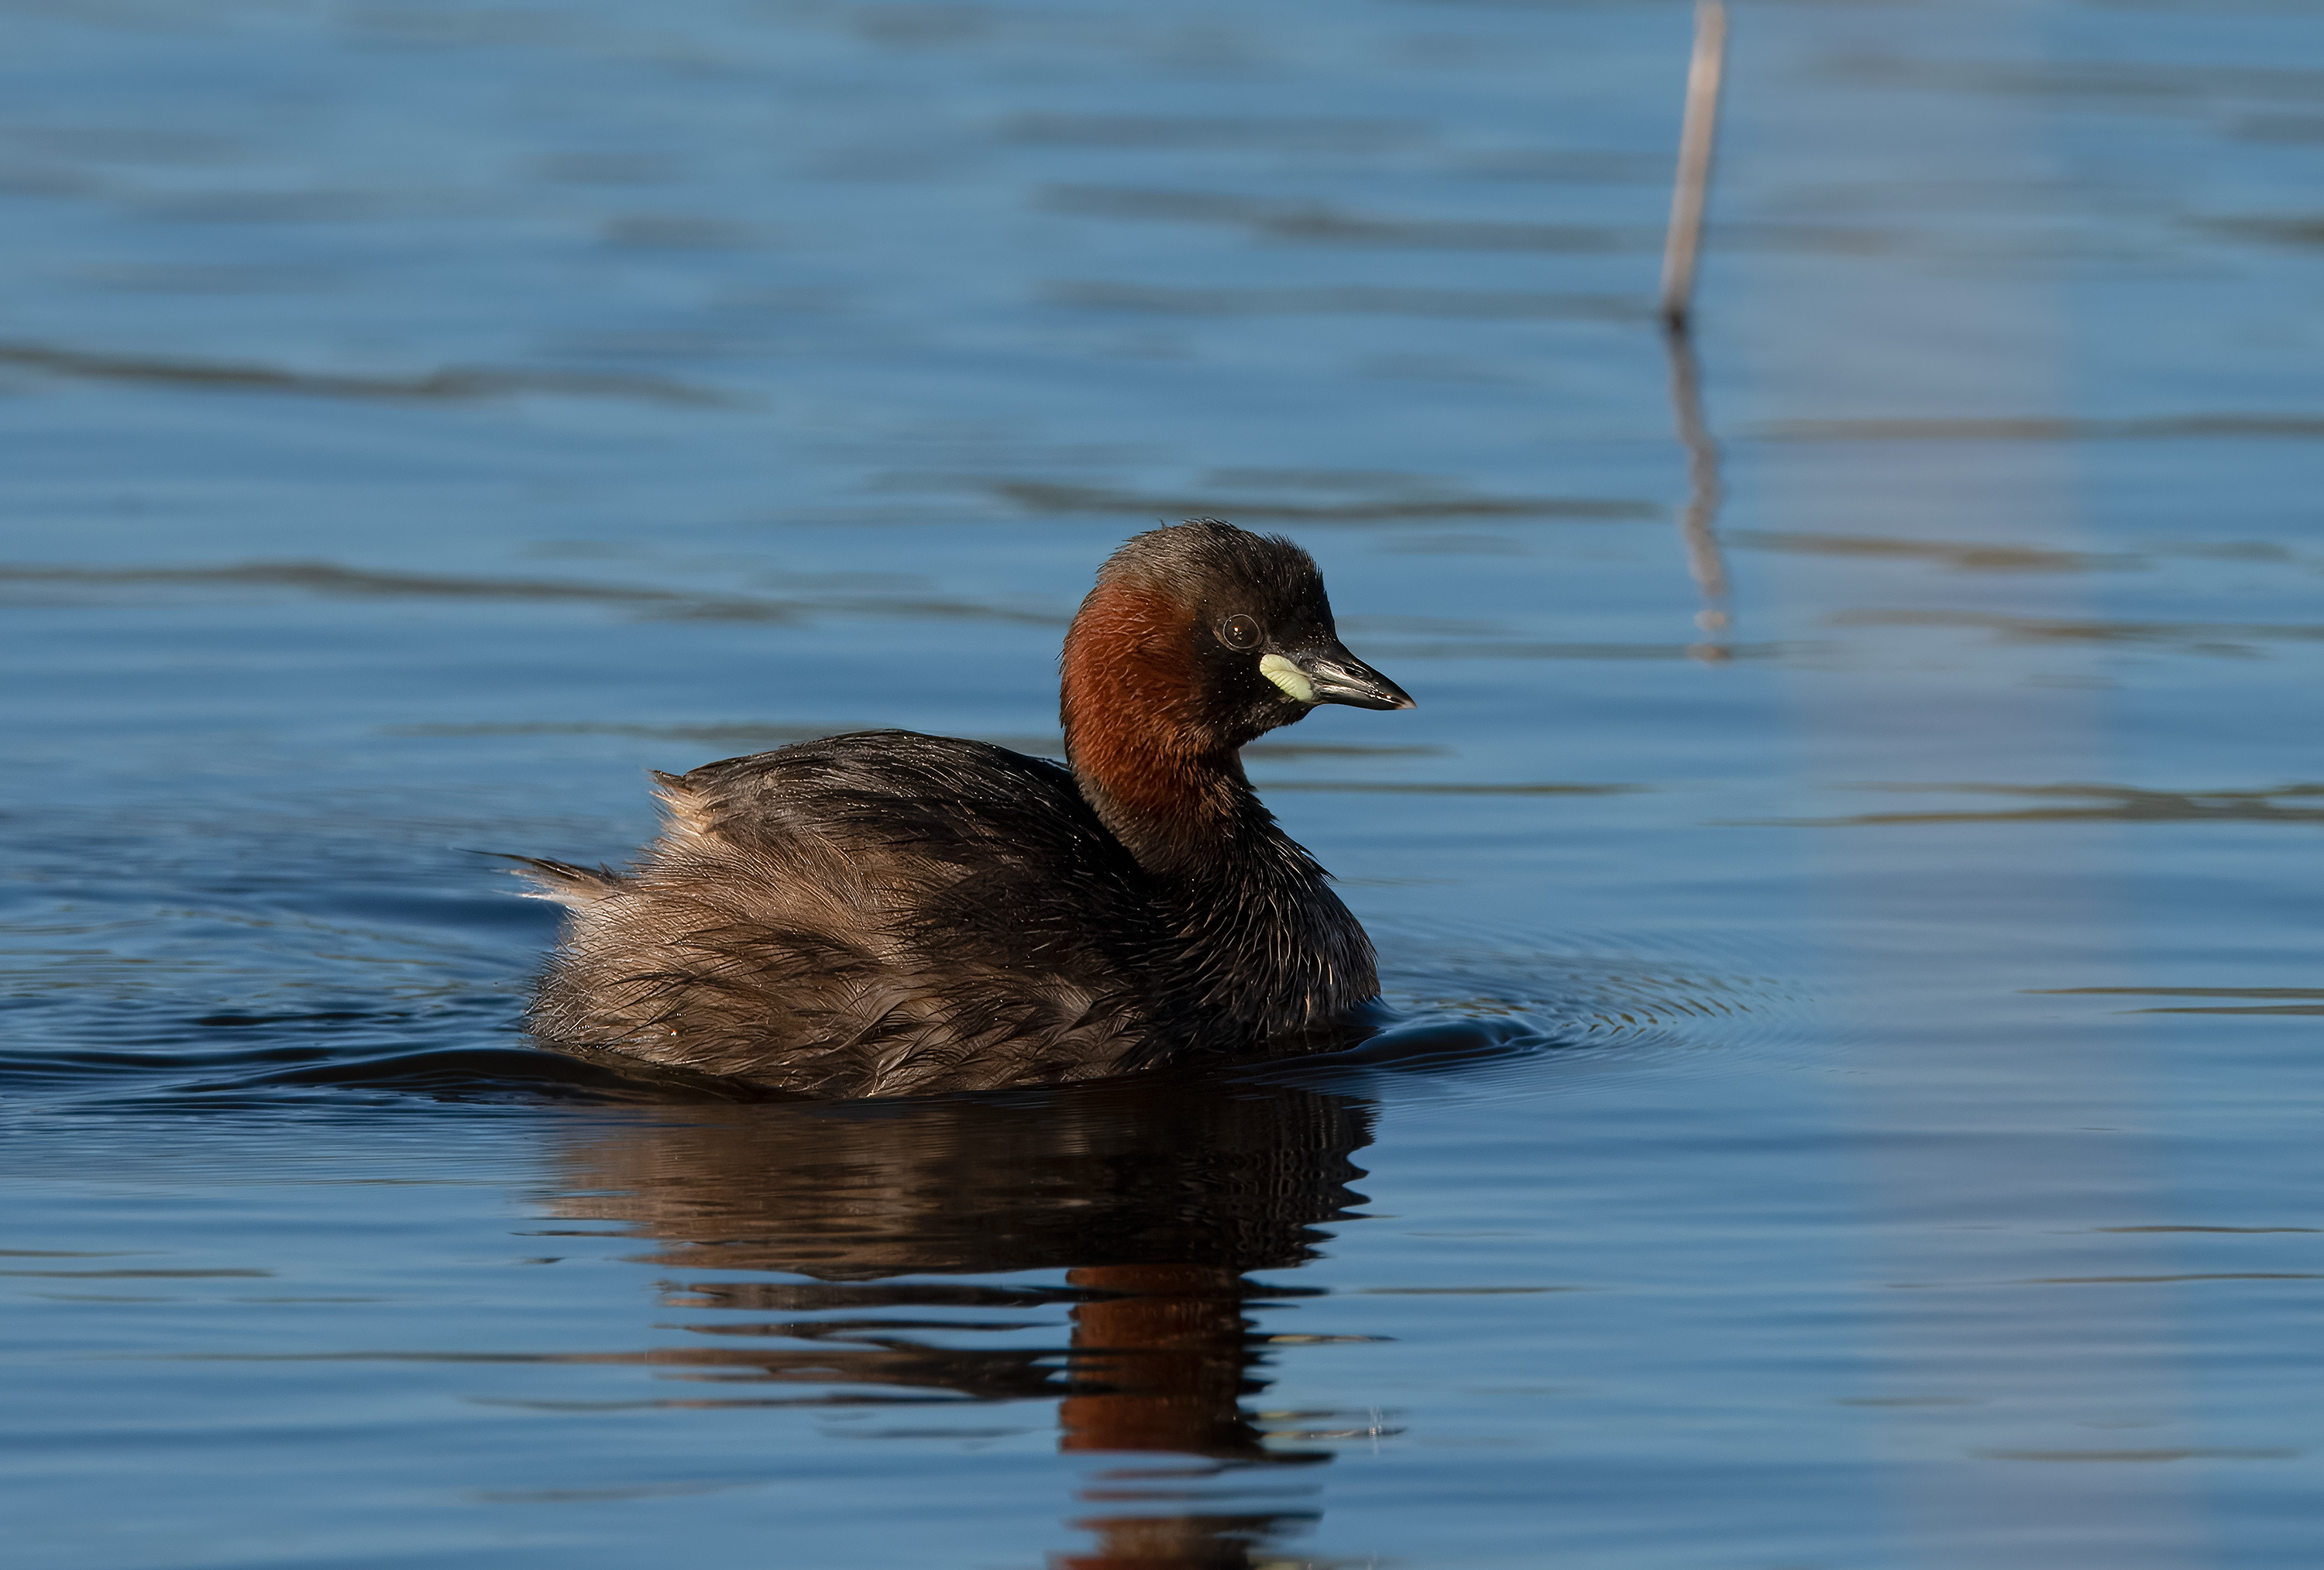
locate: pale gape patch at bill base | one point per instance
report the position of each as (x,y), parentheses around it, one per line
(1290,677)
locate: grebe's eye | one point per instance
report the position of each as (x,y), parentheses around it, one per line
(1240,632)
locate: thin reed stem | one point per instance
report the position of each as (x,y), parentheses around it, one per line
(1696,141)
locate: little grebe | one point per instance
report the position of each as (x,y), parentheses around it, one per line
(889,913)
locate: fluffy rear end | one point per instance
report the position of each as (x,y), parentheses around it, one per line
(569,885)
(873,914)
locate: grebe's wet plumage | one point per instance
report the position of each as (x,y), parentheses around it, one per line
(889,912)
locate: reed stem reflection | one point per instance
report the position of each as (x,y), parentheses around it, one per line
(1699,524)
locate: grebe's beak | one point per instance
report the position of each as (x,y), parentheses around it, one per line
(1331,675)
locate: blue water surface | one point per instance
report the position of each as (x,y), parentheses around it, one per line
(1855,1100)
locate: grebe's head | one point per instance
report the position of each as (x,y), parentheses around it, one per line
(1199,637)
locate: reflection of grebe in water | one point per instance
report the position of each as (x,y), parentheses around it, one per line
(1155,1201)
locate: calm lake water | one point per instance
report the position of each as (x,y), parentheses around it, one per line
(1858,1101)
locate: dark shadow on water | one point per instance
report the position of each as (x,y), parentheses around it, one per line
(452,383)
(2219,639)
(1312,222)
(1786,649)
(2046,428)
(1044,496)
(1312,133)
(1347,299)
(273,1062)
(1156,1201)
(351,1058)
(330,579)
(1959,556)
(2089,804)
(2313,1005)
